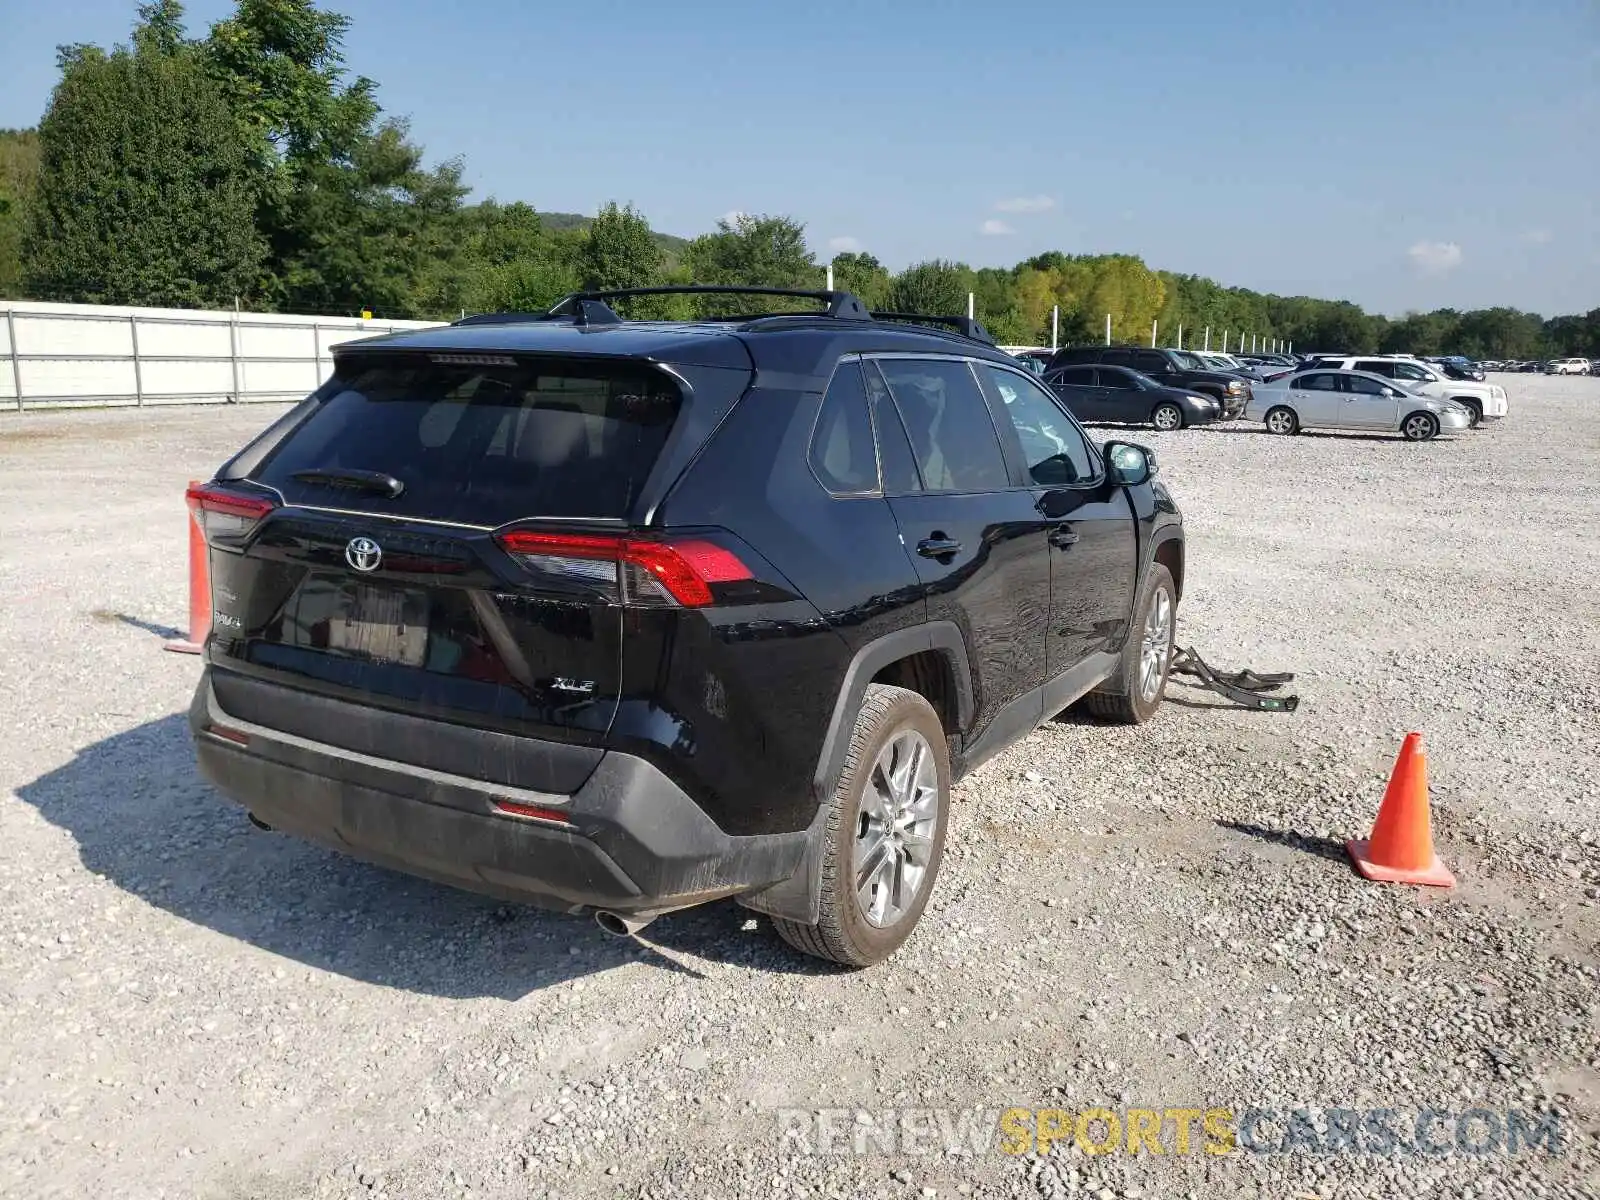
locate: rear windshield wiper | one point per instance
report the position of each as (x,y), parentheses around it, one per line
(366,481)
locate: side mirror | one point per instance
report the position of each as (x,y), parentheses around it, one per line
(1129,464)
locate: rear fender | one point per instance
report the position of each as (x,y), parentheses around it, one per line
(798,897)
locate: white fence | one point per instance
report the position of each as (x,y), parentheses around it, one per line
(82,355)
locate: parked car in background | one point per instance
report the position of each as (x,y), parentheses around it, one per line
(1333,399)
(1040,356)
(1105,393)
(1464,371)
(1170,368)
(1567,366)
(1217,361)
(1483,401)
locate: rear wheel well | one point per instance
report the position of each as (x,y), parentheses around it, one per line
(929,674)
(1170,555)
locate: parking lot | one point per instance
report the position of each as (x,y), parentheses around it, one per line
(1159,917)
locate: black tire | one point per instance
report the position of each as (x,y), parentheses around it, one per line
(1169,413)
(1289,420)
(1419,426)
(1121,698)
(1474,412)
(843,933)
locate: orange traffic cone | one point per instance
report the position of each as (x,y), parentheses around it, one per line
(1400,849)
(199,589)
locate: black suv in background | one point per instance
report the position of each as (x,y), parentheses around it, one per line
(1170,368)
(632,615)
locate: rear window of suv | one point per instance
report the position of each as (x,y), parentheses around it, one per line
(480,439)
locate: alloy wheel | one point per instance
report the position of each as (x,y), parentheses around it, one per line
(1156,650)
(898,818)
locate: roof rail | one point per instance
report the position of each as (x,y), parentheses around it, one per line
(592,309)
(839,304)
(967,327)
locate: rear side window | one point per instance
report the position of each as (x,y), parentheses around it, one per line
(842,453)
(1120,358)
(1325,382)
(894,446)
(1377,367)
(481,443)
(952,435)
(1151,363)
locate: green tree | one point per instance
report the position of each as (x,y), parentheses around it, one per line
(160,29)
(146,192)
(281,65)
(371,232)
(754,251)
(19,174)
(864,276)
(619,251)
(935,288)
(510,261)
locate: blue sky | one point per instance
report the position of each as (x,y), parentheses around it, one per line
(1400,153)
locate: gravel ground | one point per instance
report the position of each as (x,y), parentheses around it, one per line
(1157,917)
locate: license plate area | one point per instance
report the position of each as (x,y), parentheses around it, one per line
(381,624)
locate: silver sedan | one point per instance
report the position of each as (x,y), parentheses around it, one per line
(1324,399)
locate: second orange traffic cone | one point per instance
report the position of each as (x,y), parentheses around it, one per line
(1400,849)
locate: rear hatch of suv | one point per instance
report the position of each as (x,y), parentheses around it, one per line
(435,561)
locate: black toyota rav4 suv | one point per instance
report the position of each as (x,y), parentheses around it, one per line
(631,615)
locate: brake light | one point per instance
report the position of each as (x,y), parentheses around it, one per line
(226,514)
(631,570)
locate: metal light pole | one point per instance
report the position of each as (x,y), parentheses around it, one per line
(1055,326)
(1153,325)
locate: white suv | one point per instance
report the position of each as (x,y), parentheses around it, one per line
(1485,401)
(1567,366)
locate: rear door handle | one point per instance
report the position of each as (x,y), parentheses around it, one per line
(938,547)
(1063,537)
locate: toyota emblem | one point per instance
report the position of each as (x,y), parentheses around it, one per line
(363,554)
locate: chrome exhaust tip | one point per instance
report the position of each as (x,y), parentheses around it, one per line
(620,925)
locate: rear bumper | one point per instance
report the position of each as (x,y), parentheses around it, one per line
(633,842)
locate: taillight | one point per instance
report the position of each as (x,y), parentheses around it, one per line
(630,570)
(226,514)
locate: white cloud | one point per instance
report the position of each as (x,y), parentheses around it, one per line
(1025,204)
(1435,258)
(1537,237)
(844,245)
(734,215)
(995,228)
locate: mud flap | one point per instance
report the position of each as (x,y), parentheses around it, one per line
(1245,688)
(799,897)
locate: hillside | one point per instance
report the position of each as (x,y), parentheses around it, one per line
(672,247)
